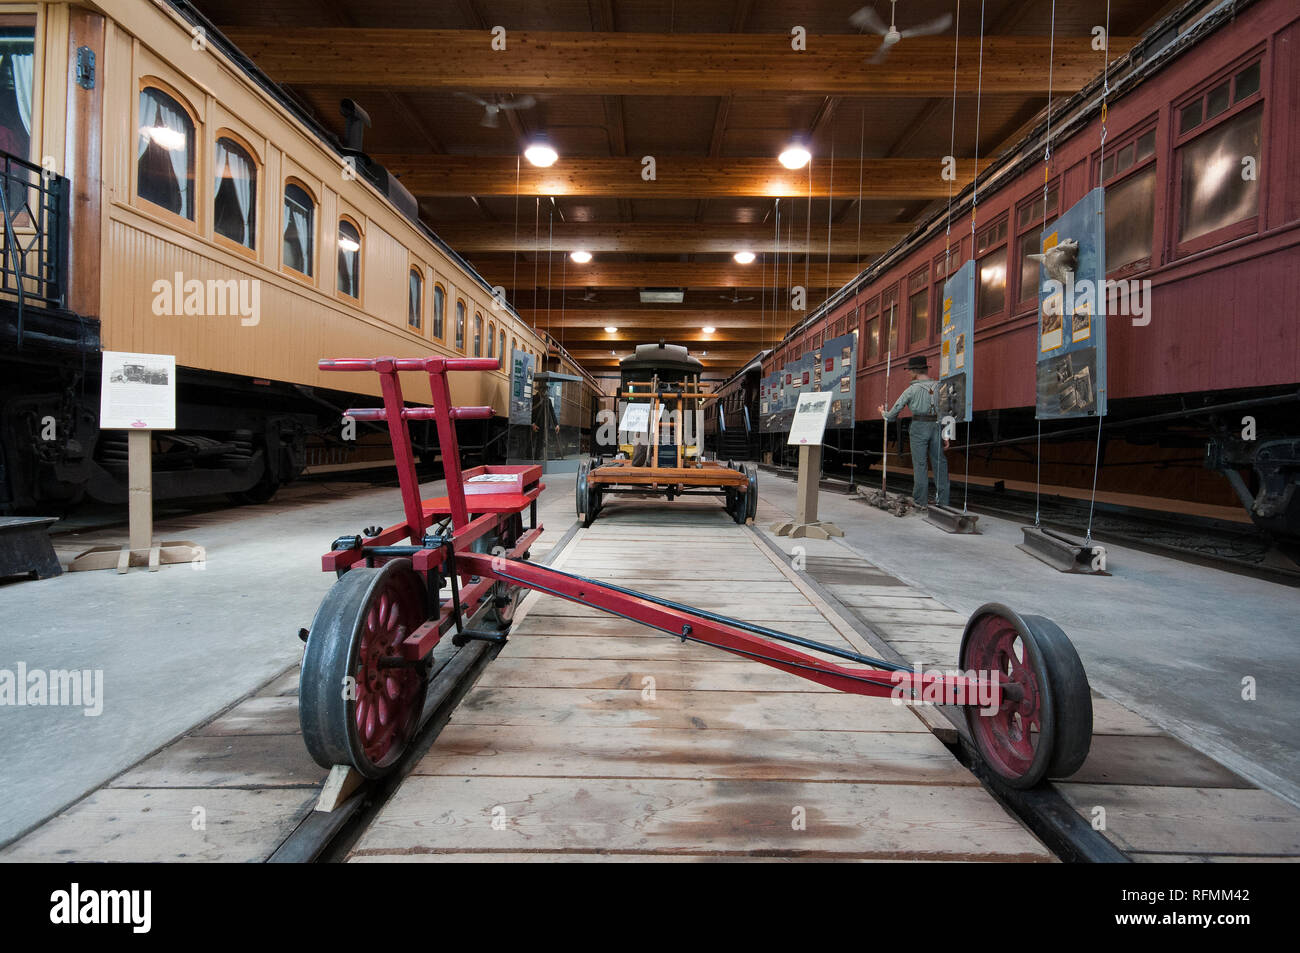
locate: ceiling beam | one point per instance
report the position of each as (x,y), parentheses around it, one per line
(659,238)
(676,64)
(655,274)
(676,177)
(647,319)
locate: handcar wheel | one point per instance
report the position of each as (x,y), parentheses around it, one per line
(1072,695)
(1018,740)
(582,496)
(354,710)
(751,493)
(593,505)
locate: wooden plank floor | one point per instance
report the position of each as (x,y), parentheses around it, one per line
(593,738)
(1158,798)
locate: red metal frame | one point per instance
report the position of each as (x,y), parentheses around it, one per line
(477,572)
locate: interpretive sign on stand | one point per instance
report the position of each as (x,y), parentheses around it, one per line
(806,432)
(138,394)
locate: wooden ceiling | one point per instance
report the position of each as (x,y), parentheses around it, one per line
(713,91)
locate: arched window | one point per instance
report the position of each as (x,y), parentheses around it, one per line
(504,356)
(439,303)
(460,325)
(165,153)
(478,335)
(349,281)
(299,229)
(234,194)
(414,298)
(492,340)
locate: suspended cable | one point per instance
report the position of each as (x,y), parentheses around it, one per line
(1105,91)
(514,252)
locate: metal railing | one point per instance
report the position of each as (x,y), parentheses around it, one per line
(34,242)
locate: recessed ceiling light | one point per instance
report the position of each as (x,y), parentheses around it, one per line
(743,257)
(795,156)
(611,330)
(709,330)
(580,256)
(541,154)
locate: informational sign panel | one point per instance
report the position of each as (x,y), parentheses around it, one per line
(137,392)
(793,378)
(838,362)
(636,417)
(957,345)
(809,424)
(1071,365)
(769,401)
(521,387)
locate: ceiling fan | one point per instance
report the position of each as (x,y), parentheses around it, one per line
(735,297)
(590,295)
(492,110)
(868,19)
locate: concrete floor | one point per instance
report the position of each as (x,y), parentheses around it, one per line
(1169,640)
(175,646)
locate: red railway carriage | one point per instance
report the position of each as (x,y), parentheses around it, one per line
(1202,202)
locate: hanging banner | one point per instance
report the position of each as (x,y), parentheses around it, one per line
(957,345)
(796,379)
(839,361)
(1071,367)
(521,387)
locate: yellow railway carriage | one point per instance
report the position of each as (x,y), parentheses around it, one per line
(162,196)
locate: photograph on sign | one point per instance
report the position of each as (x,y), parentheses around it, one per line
(137,391)
(809,422)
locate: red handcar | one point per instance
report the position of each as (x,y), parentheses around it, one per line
(462,563)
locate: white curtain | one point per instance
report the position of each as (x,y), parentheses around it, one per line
(154,112)
(239,170)
(21,64)
(297,236)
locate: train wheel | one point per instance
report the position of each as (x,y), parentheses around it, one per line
(354,709)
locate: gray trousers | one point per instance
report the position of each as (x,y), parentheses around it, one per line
(927,447)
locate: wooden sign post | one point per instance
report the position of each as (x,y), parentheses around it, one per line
(138,394)
(806,432)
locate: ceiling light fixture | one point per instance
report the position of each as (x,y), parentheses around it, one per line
(709,330)
(795,156)
(540,153)
(580,256)
(611,330)
(743,257)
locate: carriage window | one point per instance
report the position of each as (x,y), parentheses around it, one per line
(992,271)
(492,340)
(17,48)
(478,335)
(1030,221)
(299,229)
(414,298)
(1130,218)
(349,280)
(460,325)
(1246,83)
(503,346)
(919,304)
(873,338)
(234,198)
(439,303)
(165,153)
(1214,193)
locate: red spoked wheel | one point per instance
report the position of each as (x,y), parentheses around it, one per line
(359,704)
(1043,726)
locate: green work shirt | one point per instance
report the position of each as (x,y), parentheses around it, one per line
(921,396)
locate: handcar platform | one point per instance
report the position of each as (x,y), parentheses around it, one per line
(592,737)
